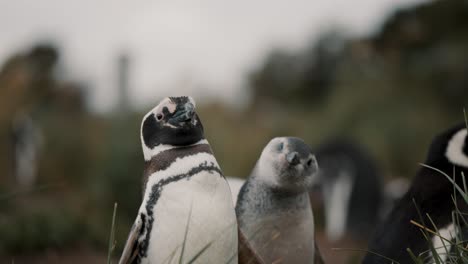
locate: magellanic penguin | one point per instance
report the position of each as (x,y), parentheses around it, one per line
(186,215)
(352,189)
(26,144)
(273,207)
(432,193)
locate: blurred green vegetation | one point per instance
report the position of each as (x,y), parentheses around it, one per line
(391,91)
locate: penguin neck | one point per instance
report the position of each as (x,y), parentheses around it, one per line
(288,200)
(167,157)
(276,200)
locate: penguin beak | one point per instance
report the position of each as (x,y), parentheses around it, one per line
(293,158)
(184,113)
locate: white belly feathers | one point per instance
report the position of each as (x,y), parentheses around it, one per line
(193,202)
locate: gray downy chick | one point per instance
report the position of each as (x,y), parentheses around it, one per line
(273,207)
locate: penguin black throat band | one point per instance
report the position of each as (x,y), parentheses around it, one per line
(155,194)
(164,159)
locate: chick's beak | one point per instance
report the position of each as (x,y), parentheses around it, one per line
(293,158)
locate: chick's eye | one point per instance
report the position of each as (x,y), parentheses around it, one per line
(159,117)
(280,146)
(309,162)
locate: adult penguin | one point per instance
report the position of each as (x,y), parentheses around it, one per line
(186,213)
(430,195)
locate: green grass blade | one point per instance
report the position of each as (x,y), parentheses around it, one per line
(425,233)
(465,197)
(199,253)
(181,258)
(433,249)
(426,229)
(466,120)
(415,259)
(367,251)
(434,254)
(459,214)
(458,238)
(464,182)
(112,236)
(171,256)
(453,186)
(232,257)
(420,217)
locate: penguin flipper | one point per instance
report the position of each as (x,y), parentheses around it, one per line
(131,246)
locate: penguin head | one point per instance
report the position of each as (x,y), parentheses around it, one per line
(449,150)
(287,163)
(172,122)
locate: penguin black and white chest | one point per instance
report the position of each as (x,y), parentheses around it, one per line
(186,215)
(273,207)
(432,193)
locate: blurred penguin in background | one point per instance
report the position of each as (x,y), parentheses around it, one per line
(352,189)
(26,142)
(394,190)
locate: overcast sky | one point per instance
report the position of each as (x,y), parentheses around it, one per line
(203,48)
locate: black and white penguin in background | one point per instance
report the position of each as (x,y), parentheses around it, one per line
(352,189)
(186,213)
(432,193)
(26,139)
(273,207)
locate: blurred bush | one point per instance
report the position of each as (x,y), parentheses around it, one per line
(391,91)
(88,161)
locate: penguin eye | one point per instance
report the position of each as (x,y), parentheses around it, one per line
(159,117)
(280,146)
(309,162)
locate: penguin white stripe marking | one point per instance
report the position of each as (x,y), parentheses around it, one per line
(455,147)
(149,153)
(171,106)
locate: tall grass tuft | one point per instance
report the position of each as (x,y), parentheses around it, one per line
(112,236)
